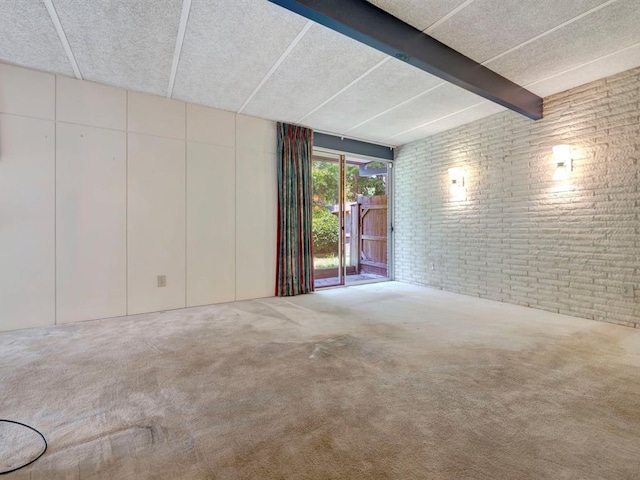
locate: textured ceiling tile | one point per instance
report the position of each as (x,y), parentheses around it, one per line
(610,65)
(321,64)
(465,116)
(124,43)
(384,88)
(487,28)
(430,107)
(28,37)
(229,46)
(601,33)
(418,13)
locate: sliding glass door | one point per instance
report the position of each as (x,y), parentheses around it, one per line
(350,220)
(328,220)
(366,210)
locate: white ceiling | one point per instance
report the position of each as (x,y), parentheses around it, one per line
(253,57)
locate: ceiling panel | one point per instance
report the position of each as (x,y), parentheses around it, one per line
(605,66)
(229,46)
(384,88)
(418,13)
(442,101)
(318,67)
(28,37)
(460,118)
(124,43)
(601,33)
(486,28)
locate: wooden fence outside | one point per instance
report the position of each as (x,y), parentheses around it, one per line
(368,235)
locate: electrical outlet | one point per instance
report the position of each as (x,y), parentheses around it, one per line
(432,266)
(627,290)
(162,280)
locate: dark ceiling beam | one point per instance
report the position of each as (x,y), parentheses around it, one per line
(368,24)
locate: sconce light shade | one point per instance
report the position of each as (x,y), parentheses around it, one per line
(456,177)
(562,152)
(562,159)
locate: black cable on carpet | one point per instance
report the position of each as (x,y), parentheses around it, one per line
(30,461)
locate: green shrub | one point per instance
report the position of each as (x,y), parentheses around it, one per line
(326,232)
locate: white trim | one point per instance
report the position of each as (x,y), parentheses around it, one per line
(378,65)
(409,100)
(431,27)
(182,28)
(353,82)
(483,63)
(543,34)
(275,66)
(439,118)
(530,84)
(63,38)
(583,65)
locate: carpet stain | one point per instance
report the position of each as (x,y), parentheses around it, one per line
(329,346)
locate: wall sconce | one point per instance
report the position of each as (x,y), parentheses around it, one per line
(562,159)
(456,177)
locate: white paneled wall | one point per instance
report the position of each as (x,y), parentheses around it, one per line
(91,222)
(215,127)
(256,195)
(88,103)
(156,223)
(211,209)
(211,215)
(27,199)
(103,190)
(256,135)
(157,116)
(27,92)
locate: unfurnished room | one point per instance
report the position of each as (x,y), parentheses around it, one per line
(320,239)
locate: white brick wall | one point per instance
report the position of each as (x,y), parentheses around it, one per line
(520,237)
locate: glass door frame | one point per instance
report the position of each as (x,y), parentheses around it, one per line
(342,277)
(390,217)
(340,160)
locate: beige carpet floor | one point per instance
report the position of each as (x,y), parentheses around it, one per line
(383,381)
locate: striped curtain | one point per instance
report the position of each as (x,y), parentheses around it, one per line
(294,273)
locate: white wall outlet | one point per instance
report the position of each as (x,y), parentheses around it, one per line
(162,280)
(432,266)
(627,290)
